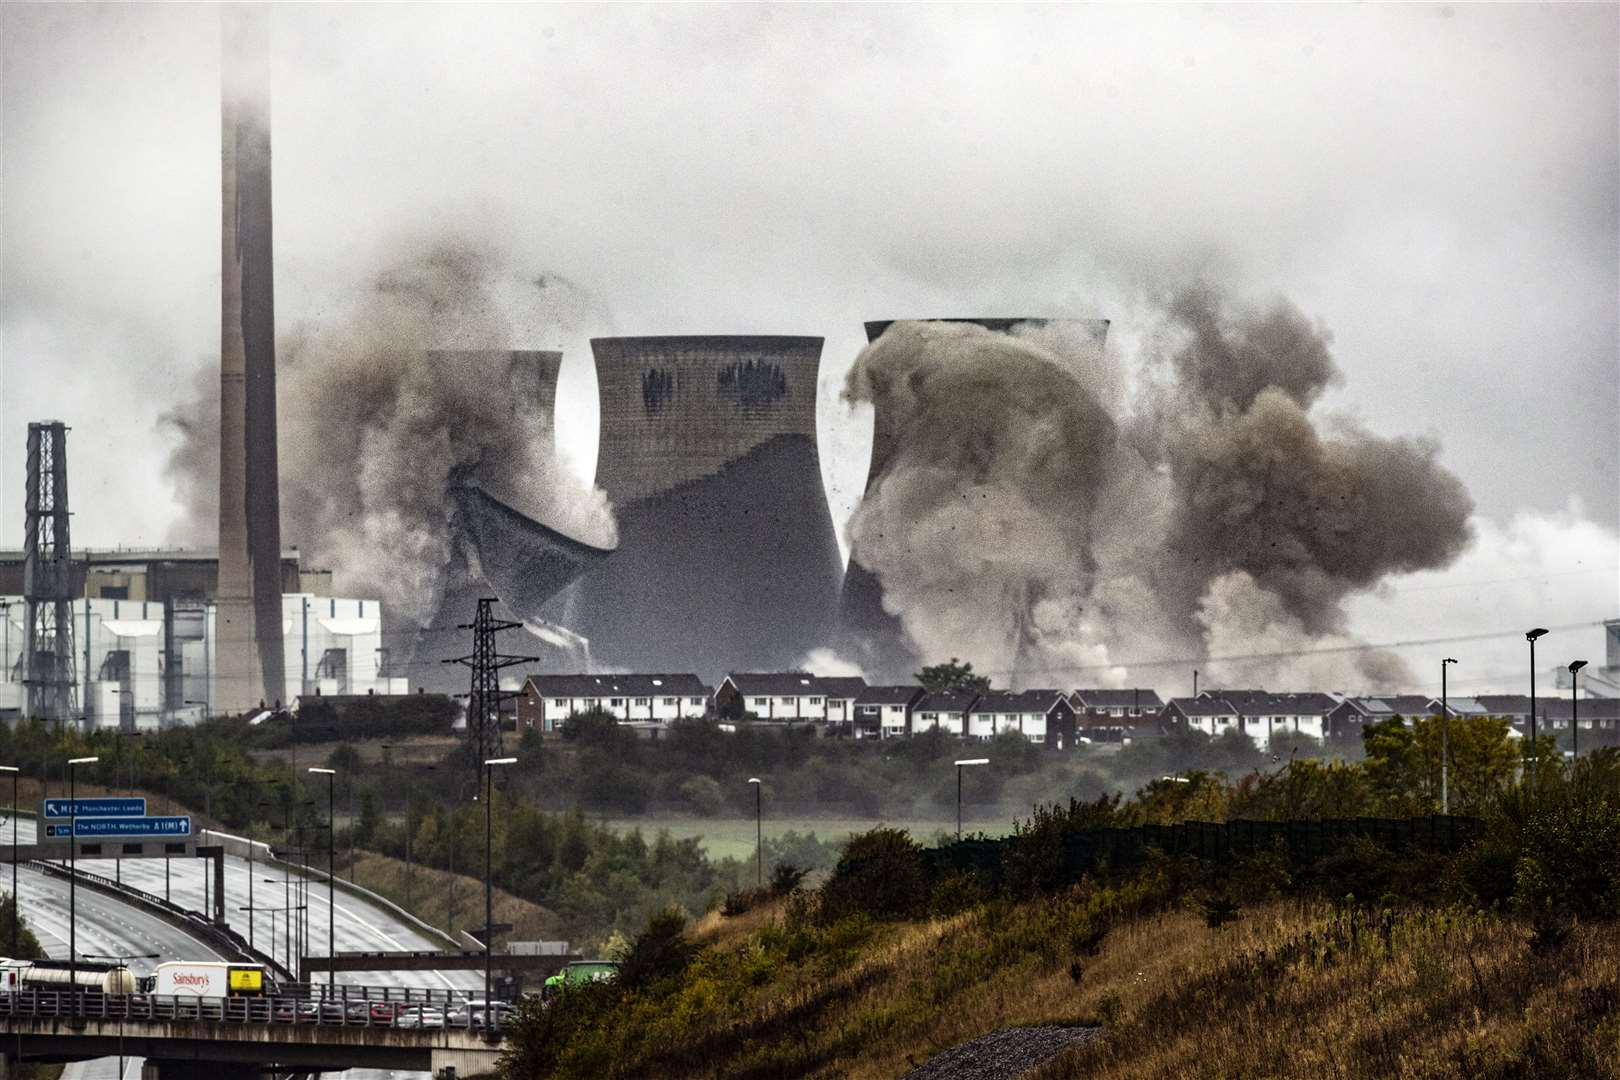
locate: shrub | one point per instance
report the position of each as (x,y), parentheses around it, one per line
(785,877)
(702,796)
(880,874)
(659,952)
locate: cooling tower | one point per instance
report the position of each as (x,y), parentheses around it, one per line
(868,633)
(249,629)
(496,551)
(727,558)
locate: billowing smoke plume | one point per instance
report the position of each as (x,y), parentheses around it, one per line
(374,430)
(1056,528)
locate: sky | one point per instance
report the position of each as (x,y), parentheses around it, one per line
(1436,185)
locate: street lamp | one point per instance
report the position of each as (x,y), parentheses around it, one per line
(1445,740)
(73,872)
(759,831)
(1574,721)
(959,765)
(16,905)
(1535,757)
(489,885)
(331,876)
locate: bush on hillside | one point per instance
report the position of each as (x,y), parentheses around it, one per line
(880,874)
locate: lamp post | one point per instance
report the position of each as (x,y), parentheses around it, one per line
(759,831)
(73,872)
(331,875)
(1574,720)
(489,885)
(959,765)
(1445,740)
(1535,757)
(16,905)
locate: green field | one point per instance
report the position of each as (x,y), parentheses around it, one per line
(734,837)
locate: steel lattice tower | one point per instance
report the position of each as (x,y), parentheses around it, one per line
(485,695)
(50,684)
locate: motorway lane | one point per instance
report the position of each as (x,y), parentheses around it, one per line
(108,926)
(360,925)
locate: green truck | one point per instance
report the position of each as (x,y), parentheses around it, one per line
(578,973)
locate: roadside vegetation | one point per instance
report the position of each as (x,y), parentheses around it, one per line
(1497,958)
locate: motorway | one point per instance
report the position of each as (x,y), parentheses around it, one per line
(108,927)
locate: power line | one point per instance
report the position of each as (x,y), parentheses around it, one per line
(1287,654)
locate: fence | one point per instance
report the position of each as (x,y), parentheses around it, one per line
(1215,841)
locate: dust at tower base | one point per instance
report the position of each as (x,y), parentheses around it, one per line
(250,665)
(868,633)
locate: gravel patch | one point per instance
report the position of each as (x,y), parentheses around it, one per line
(1002,1055)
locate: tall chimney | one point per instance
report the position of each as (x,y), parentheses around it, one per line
(251,666)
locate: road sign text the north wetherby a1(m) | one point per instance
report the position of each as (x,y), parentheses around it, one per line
(62,809)
(89,828)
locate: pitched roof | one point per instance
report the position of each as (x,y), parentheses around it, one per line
(888,695)
(591,686)
(1505,704)
(1202,706)
(1266,703)
(1021,701)
(777,683)
(843,686)
(1118,699)
(947,701)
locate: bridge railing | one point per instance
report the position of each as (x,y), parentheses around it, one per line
(387,1007)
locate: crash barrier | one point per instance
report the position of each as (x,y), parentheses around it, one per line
(344,1006)
(1217,841)
(195,924)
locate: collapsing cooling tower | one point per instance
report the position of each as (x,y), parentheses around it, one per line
(727,557)
(868,633)
(497,551)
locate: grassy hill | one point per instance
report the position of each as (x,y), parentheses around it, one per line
(1286,988)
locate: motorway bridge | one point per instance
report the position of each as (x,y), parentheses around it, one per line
(111,926)
(197,1038)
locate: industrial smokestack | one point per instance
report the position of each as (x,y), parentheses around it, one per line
(727,557)
(868,634)
(251,663)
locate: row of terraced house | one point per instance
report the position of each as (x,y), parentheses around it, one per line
(847,706)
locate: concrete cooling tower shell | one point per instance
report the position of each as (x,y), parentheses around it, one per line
(495,550)
(867,633)
(727,556)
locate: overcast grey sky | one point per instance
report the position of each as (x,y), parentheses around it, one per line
(1438,185)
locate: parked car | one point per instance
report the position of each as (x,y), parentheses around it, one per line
(419,1016)
(385,1012)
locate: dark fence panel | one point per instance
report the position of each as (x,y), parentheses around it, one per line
(1211,840)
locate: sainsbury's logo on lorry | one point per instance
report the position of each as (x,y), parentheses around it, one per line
(208,979)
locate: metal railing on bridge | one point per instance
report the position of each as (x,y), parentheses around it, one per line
(399,1008)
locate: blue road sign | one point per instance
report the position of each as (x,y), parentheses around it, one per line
(62,809)
(92,827)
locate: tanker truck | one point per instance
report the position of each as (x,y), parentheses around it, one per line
(17,975)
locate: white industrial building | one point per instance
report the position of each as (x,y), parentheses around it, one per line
(144,664)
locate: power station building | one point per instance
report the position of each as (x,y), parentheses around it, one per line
(149,637)
(727,555)
(867,632)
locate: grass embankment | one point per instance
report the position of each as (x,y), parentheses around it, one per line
(734,837)
(1288,989)
(451,902)
(1310,991)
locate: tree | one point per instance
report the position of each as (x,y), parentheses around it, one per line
(1194,796)
(27,945)
(952,676)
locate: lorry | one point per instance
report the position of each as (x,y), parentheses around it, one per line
(17,975)
(578,973)
(210,979)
